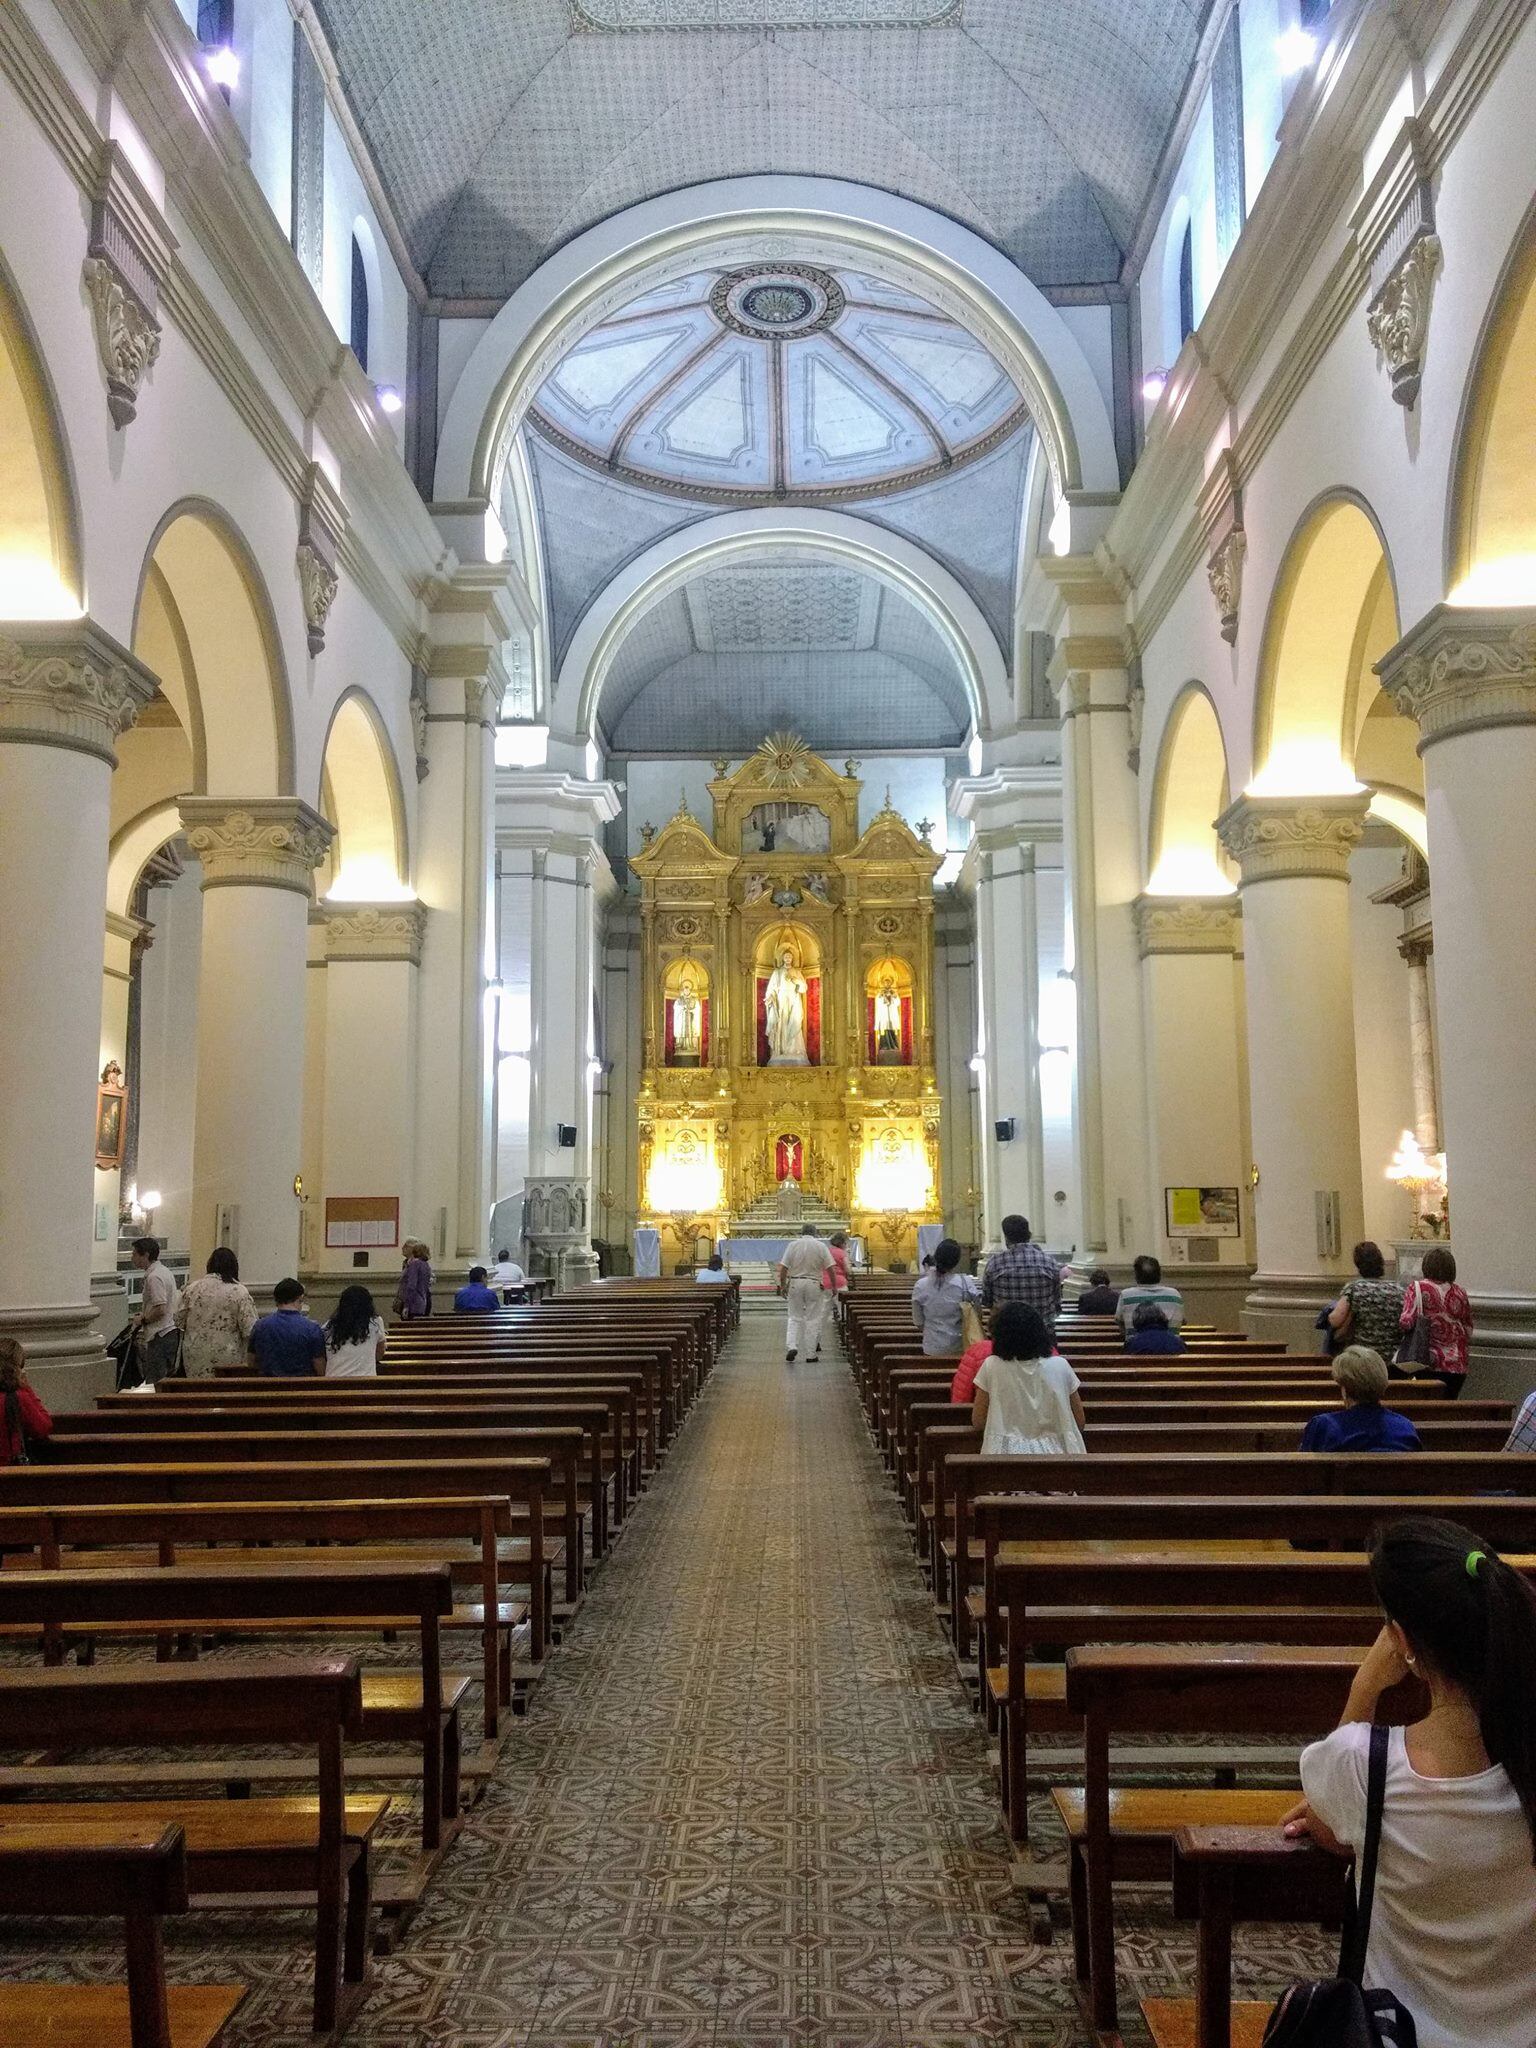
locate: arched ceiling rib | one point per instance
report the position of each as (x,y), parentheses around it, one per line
(501,132)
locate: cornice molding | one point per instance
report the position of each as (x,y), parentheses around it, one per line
(1287,838)
(1464,669)
(273,842)
(66,683)
(1187,924)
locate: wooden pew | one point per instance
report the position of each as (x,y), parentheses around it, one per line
(135,1873)
(1223,1876)
(1153,1691)
(473,1531)
(559,1449)
(417,1707)
(318,1846)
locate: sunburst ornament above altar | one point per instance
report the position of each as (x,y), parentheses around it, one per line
(786,759)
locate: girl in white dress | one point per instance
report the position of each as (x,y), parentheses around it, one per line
(1453,1933)
(1026,1400)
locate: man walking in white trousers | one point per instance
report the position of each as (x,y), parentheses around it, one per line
(805,1259)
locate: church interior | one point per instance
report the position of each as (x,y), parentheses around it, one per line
(787,680)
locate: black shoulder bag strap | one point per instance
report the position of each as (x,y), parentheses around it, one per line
(1357,1928)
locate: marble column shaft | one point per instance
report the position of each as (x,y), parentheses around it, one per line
(67,691)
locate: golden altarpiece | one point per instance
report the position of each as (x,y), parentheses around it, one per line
(788,1065)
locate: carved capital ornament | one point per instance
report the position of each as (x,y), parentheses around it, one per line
(65,683)
(375,931)
(1187,924)
(127,337)
(1224,573)
(1464,669)
(1281,838)
(273,842)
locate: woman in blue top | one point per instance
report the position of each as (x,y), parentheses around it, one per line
(938,1298)
(1364,1425)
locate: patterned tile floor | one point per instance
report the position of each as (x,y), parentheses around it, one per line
(750,1804)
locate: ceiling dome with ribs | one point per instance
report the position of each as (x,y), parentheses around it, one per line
(778,381)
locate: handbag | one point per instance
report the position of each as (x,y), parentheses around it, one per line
(1337,2012)
(124,1354)
(971,1331)
(1414,1349)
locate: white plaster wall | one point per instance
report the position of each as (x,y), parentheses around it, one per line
(456,342)
(1061,1227)
(514,971)
(168,1040)
(1383,1059)
(263,100)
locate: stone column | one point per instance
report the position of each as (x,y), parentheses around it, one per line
(1416,947)
(258,857)
(548,828)
(1102,835)
(1198,1135)
(472,621)
(1293,858)
(373,955)
(1469,678)
(67,690)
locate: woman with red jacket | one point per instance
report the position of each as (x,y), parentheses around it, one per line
(22,1414)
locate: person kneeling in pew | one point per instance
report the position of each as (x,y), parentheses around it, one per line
(1364,1425)
(1453,1933)
(287,1344)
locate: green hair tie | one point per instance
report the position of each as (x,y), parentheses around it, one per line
(1474,1559)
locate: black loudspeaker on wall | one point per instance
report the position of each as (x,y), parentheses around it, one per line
(566,1134)
(1003,1129)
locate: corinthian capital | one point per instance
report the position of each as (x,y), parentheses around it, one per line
(375,931)
(1463,669)
(265,842)
(1187,924)
(65,683)
(1277,838)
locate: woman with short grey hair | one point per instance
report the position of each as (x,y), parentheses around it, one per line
(1364,1425)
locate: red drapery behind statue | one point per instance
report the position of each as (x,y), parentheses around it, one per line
(788,1158)
(872,1050)
(812,1019)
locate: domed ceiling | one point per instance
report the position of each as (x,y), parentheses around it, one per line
(778,381)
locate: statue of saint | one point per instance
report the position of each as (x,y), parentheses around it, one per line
(887,1022)
(784,1013)
(686,1045)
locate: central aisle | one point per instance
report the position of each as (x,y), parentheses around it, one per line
(750,1804)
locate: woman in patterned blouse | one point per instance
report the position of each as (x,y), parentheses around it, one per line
(1445,1307)
(1370,1309)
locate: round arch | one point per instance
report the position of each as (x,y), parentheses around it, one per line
(360,793)
(897,563)
(822,219)
(239,715)
(1190,789)
(41,574)
(133,844)
(1491,533)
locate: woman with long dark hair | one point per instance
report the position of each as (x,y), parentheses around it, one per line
(354,1337)
(1453,1934)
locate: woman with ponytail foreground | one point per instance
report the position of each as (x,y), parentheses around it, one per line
(1453,1935)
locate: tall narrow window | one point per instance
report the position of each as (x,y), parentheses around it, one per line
(1187,285)
(359,334)
(215,22)
(1314,12)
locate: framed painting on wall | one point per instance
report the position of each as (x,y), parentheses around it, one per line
(111,1117)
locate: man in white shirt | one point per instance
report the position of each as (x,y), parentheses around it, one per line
(799,1273)
(507,1276)
(155,1323)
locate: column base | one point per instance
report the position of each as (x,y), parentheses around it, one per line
(577,1267)
(66,1360)
(1284,1307)
(1502,1361)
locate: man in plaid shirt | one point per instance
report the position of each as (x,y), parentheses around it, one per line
(1523,1436)
(1022,1272)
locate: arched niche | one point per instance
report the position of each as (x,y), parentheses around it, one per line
(811,219)
(888,986)
(1493,505)
(1190,791)
(204,609)
(360,794)
(41,575)
(796,949)
(685,1013)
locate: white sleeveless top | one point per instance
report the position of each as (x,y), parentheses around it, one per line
(1029,1407)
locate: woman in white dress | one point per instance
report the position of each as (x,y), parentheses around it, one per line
(354,1337)
(1026,1401)
(1453,1930)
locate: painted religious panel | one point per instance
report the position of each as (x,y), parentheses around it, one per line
(786,828)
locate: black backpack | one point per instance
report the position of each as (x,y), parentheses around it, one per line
(1335,2012)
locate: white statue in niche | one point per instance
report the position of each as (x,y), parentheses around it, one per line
(784,1013)
(686,1043)
(887,1022)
